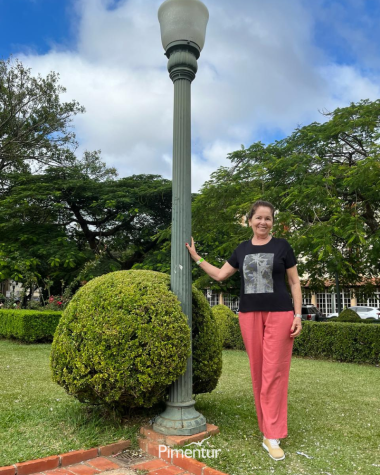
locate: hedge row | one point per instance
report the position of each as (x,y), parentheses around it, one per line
(348,342)
(371,320)
(29,325)
(345,342)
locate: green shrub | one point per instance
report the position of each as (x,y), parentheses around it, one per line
(207,345)
(369,320)
(220,314)
(235,340)
(228,323)
(351,342)
(348,315)
(29,325)
(123,340)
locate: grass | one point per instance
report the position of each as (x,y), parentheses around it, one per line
(38,418)
(333,416)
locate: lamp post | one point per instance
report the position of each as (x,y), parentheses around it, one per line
(183,30)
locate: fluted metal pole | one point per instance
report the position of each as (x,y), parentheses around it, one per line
(180,416)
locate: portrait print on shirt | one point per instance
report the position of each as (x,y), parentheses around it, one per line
(257,271)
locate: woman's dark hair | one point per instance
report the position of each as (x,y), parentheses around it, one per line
(256,205)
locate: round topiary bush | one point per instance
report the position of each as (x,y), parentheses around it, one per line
(348,315)
(228,323)
(123,340)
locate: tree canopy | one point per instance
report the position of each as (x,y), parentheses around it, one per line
(54,222)
(35,126)
(324,182)
(64,218)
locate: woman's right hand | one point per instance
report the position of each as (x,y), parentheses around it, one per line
(192,251)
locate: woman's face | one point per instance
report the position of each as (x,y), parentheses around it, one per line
(261,222)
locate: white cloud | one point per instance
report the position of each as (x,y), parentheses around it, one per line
(348,85)
(259,71)
(213,156)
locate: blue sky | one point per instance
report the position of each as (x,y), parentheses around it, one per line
(347,30)
(34,26)
(267,67)
(38,25)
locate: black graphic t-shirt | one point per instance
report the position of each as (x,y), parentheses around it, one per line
(262,272)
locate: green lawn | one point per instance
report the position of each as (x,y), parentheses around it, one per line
(334,416)
(38,418)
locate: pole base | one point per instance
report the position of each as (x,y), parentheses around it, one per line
(180,418)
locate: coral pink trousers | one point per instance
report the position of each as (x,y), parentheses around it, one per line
(266,337)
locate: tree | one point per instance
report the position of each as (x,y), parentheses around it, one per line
(75,217)
(115,218)
(35,127)
(34,246)
(63,218)
(323,179)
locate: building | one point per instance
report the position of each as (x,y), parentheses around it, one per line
(326,301)
(10,288)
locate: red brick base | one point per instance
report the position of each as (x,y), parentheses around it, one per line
(54,463)
(172,440)
(169,458)
(94,461)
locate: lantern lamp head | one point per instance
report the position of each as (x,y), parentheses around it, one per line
(183,21)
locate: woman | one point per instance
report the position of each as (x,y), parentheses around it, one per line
(267,319)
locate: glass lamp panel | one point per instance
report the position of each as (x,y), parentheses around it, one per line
(183,20)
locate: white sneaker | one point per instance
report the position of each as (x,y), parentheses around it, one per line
(272,446)
(278,440)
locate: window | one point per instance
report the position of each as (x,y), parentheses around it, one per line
(328,298)
(306,297)
(372,301)
(231,302)
(324,302)
(345,299)
(212,297)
